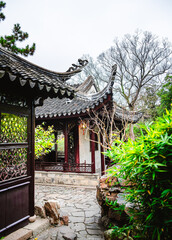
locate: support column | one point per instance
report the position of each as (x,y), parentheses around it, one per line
(102,157)
(31,159)
(93,151)
(66,142)
(77,160)
(55,134)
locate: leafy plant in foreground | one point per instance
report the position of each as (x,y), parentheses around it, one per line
(147,165)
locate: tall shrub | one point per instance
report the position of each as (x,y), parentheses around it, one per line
(44,140)
(147,164)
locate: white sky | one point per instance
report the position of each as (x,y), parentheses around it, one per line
(64,30)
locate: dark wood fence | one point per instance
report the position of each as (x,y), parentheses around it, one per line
(63,167)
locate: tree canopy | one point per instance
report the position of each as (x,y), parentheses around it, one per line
(10,41)
(143,60)
(165,95)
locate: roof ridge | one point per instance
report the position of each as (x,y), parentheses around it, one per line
(78,68)
(106,89)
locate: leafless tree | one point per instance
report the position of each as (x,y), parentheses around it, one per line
(105,125)
(142,60)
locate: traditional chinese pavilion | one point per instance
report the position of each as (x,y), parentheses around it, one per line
(23,86)
(81,151)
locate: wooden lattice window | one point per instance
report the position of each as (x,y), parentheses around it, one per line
(13,142)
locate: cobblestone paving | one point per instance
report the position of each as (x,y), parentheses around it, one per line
(81,206)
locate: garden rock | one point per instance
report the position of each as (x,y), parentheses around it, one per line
(40,211)
(120,236)
(109,189)
(51,209)
(108,234)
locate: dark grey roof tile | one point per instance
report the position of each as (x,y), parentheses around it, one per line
(24,72)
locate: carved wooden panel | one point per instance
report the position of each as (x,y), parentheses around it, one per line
(13,128)
(13,163)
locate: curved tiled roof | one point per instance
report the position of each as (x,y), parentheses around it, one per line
(83,102)
(19,70)
(80,104)
(127,116)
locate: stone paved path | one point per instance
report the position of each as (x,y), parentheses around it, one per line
(81,206)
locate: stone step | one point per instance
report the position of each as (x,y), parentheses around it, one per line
(20,234)
(38,226)
(30,230)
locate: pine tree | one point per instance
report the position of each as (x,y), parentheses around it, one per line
(9,41)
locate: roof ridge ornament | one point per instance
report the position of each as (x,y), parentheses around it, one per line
(113,71)
(82,64)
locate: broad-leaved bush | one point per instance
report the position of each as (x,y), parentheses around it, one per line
(147,165)
(44,140)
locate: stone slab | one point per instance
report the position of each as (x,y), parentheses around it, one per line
(38,226)
(20,234)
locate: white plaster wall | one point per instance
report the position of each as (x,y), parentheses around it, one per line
(84,147)
(84,151)
(98,160)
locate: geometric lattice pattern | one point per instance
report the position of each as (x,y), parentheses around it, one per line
(64,167)
(13,163)
(13,128)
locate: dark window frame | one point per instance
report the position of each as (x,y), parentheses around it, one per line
(18,111)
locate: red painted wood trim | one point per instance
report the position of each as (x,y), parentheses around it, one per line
(93,151)
(66,141)
(77,159)
(102,157)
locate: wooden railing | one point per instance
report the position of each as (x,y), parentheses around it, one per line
(63,167)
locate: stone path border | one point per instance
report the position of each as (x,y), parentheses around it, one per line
(81,206)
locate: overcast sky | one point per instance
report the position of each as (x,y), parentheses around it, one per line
(64,30)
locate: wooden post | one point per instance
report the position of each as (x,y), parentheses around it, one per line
(55,134)
(93,151)
(77,160)
(32,161)
(66,141)
(102,157)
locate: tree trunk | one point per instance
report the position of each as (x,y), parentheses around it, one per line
(131,132)
(131,126)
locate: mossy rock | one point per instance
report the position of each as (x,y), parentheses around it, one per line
(109,235)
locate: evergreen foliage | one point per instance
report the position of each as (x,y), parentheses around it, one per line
(10,41)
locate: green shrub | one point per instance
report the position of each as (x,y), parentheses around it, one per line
(147,164)
(44,140)
(165,95)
